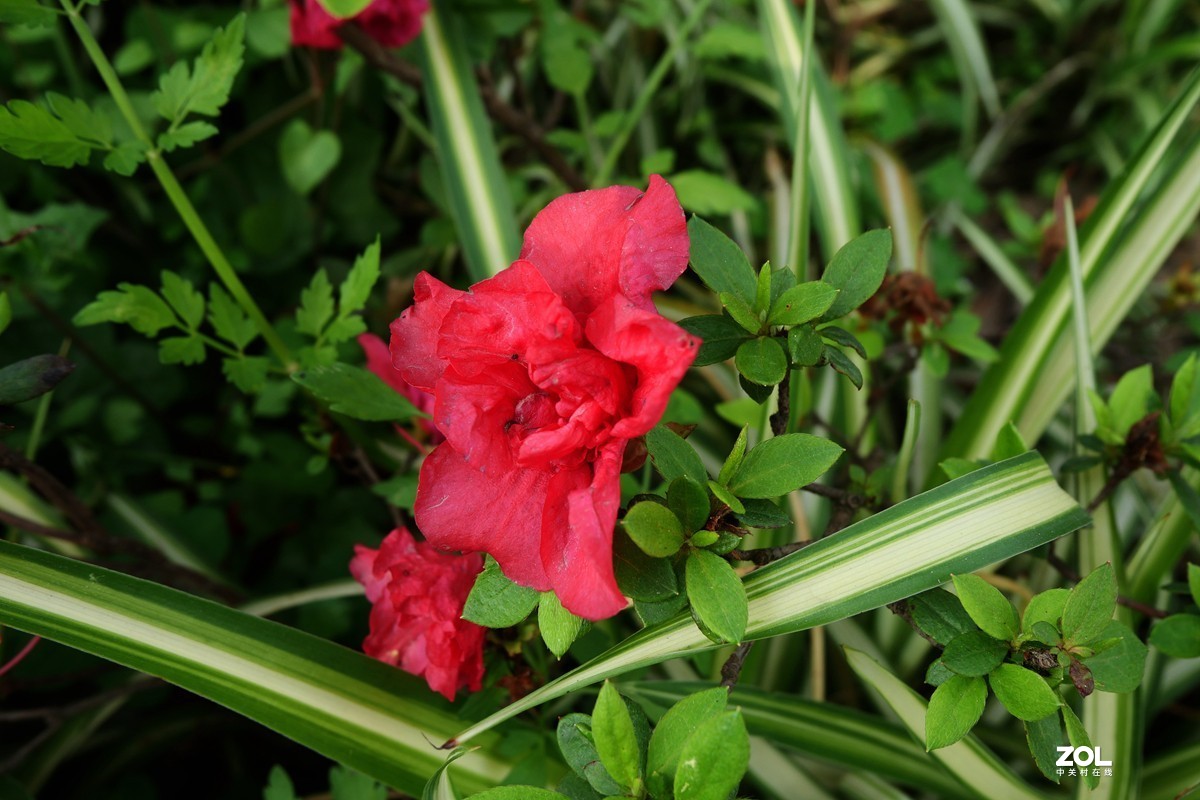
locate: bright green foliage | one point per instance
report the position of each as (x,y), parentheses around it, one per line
(186,135)
(974,653)
(720,337)
(136,306)
(940,615)
(674,730)
(577,743)
(857,270)
(616,742)
(655,529)
(1024,693)
(1090,607)
(762,361)
(955,707)
(717,597)
(307,156)
(782,464)
(1178,635)
(29,131)
(639,576)
(205,87)
(720,263)
(734,460)
(355,392)
(1045,607)
(497,602)
(344,9)
(802,303)
(987,607)
(688,500)
(673,457)
(560,628)
(713,760)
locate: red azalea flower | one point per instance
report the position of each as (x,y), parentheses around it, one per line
(541,375)
(418,594)
(379,361)
(392,23)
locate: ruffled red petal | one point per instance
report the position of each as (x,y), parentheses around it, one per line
(415,332)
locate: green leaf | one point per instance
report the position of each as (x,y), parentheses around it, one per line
(974,654)
(1044,736)
(228,319)
(612,729)
(762,291)
(783,463)
(125,158)
(763,514)
(248,373)
(32,377)
(1090,607)
(349,708)
(990,610)
(741,311)
(857,270)
(954,709)
(804,346)
(346,784)
(842,363)
(560,628)
(688,499)
(713,761)
(30,132)
(1077,735)
(316,305)
(1118,668)
(1178,636)
(133,305)
(88,125)
(205,88)
(345,9)
(940,615)
(673,457)
(1024,693)
(517,793)
(186,301)
(717,596)
(1131,399)
(654,528)
(1009,443)
(1185,398)
(674,730)
(960,332)
(1194,582)
(26,12)
(843,338)
(762,361)
(639,576)
(307,156)
(440,787)
(181,350)
(279,785)
(706,192)
(497,602)
(1045,607)
(578,747)
(186,135)
(355,392)
(725,496)
(356,288)
(719,336)
(802,303)
(735,457)
(5,312)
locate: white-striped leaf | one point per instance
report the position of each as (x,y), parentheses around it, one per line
(363,713)
(961,526)
(968,759)
(475,184)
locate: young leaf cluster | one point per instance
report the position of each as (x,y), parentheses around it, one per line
(699,750)
(1063,637)
(770,323)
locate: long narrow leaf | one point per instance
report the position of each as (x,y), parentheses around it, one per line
(973,763)
(475,183)
(987,516)
(828,154)
(842,736)
(966,45)
(1031,379)
(342,704)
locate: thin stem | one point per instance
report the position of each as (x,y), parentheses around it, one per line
(631,119)
(20,656)
(43,409)
(187,212)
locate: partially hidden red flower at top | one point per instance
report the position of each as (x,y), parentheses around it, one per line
(417,594)
(541,375)
(379,361)
(392,23)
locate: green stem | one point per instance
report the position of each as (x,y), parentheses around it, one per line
(187,212)
(798,241)
(43,410)
(631,119)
